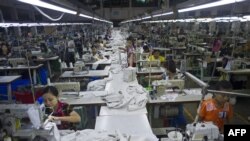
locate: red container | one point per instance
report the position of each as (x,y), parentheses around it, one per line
(26,97)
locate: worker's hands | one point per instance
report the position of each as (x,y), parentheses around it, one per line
(53,118)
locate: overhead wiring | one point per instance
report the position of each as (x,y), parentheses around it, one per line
(47,16)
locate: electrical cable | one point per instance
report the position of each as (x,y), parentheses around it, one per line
(47,16)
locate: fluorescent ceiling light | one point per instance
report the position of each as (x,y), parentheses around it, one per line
(163,14)
(209,5)
(85,16)
(148,17)
(199,7)
(48,6)
(56,8)
(37,24)
(217,19)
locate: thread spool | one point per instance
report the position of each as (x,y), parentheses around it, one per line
(48,81)
(62,65)
(175,136)
(71,65)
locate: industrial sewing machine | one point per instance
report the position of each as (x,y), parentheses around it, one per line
(24,121)
(162,85)
(80,68)
(147,66)
(205,131)
(15,62)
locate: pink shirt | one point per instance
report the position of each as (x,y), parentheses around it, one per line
(217,45)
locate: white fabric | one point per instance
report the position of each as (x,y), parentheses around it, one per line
(94,135)
(134,97)
(98,85)
(129,74)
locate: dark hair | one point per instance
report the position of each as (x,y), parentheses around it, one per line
(170,65)
(223,85)
(155,50)
(50,89)
(146,48)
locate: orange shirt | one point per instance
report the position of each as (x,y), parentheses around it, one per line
(209,112)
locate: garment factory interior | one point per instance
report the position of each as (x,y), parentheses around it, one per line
(127,70)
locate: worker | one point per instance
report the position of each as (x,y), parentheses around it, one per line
(217,109)
(130,48)
(156,56)
(96,55)
(217,44)
(61,113)
(5,50)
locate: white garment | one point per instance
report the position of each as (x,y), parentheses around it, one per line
(94,135)
(98,85)
(134,97)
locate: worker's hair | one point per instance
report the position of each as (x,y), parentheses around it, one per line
(170,65)
(50,89)
(223,85)
(155,50)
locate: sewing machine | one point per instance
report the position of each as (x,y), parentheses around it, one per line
(179,83)
(141,56)
(203,131)
(147,64)
(162,85)
(15,62)
(79,68)
(194,132)
(87,58)
(24,121)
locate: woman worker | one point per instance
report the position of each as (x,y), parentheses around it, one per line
(59,111)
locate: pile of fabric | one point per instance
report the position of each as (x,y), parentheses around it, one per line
(98,85)
(135,97)
(94,135)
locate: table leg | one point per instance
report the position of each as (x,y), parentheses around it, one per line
(96,111)
(156,111)
(9,92)
(34,76)
(49,69)
(150,111)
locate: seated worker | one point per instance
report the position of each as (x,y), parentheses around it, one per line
(59,111)
(96,55)
(156,56)
(170,68)
(5,50)
(217,109)
(146,48)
